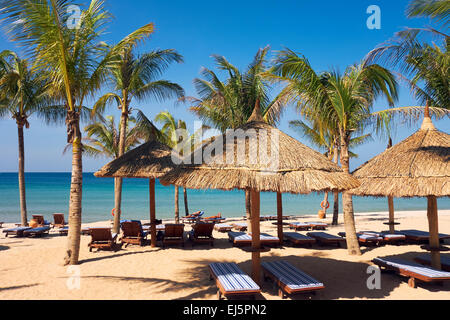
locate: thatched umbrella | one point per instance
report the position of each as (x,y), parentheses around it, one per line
(235,161)
(150,160)
(419,166)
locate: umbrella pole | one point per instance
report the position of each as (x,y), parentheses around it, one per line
(152,213)
(280,217)
(434,232)
(256,240)
(391,215)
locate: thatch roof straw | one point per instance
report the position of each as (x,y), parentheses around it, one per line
(419,166)
(150,160)
(287,166)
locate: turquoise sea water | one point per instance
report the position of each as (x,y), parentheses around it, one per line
(49,192)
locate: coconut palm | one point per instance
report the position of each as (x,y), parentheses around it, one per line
(343,100)
(137,78)
(76,62)
(327,139)
(21,93)
(423,65)
(229,104)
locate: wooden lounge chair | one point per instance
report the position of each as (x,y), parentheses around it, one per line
(414,271)
(18,231)
(366,239)
(324,238)
(240,226)
(132,232)
(223,227)
(300,226)
(58,220)
(36,232)
(289,279)
(217,218)
(244,239)
(417,236)
(202,233)
(387,237)
(40,220)
(192,218)
(426,260)
(299,239)
(232,281)
(173,234)
(102,239)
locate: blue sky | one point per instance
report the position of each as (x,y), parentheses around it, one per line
(331,34)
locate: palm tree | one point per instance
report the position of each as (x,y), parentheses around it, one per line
(229,104)
(76,62)
(171,136)
(424,66)
(343,100)
(327,139)
(21,91)
(137,78)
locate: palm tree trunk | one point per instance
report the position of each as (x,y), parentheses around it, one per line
(74,137)
(119,181)
(248,210)
(347,203)
(21,174)
(335,193)
(186,208)
(177,210)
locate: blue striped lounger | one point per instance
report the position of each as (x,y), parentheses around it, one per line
(426,259)
(223,227)
(324,238)
(232,281)
(299,239)
(300,226)
(318,225)
(289,279)
(36,232)
(387,237)
(244,239)
(413,271)
(18,232)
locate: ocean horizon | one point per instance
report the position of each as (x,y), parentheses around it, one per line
(48,193)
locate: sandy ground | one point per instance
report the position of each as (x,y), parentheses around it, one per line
(32,268)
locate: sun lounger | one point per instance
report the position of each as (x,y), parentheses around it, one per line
(202,233)
(173,234)
(324,238)
(223,227)
(244,239)
(426,260)
(193,217)
(102,238)
(232,281)
(240,226)
(289,279)
(366,238)
(18,231)
(299,239)
(40,220)
(318,225)
(414,271)
(58,220)
(300,226)
(217,218)
(420,236)
(387,237)
(36,232)
(132,232)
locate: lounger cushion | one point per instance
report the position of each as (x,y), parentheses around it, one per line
(324,235)
(298,236)
(413,268)
(244,237)
(18,229)
(292,277)
(232,278)
(36,230)
(300,224)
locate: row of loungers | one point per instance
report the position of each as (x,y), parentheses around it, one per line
(232,281)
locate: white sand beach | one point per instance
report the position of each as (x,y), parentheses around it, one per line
(32,268)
